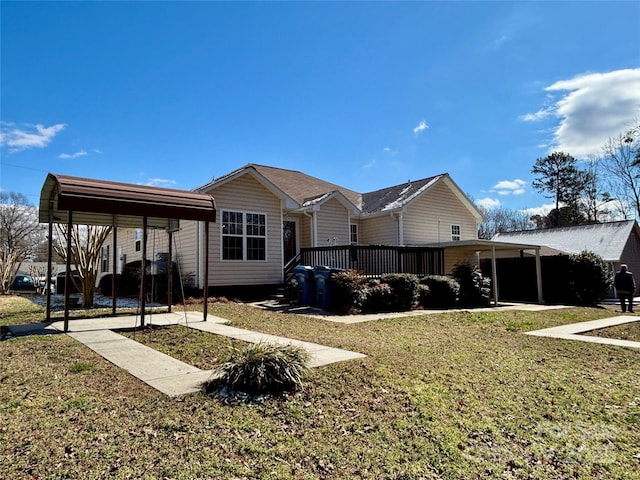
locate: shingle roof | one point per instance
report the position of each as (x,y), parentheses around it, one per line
(302,187)
(306,190)
(395,197)
(605,239)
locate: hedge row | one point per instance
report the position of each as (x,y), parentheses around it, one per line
(354,293)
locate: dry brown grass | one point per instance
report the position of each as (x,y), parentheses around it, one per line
(453,396)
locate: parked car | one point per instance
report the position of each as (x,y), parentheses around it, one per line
(23,282)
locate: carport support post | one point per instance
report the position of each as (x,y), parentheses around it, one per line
(170,274)
(143,271)
(539,276)
(47,281)
(67,276)
(494,275)
(114,299)
(206,270)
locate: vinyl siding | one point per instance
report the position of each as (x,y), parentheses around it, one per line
(380,230)
(185,251)
(429,218)
(245,194)
(333,224)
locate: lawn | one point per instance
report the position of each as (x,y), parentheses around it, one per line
(456,396)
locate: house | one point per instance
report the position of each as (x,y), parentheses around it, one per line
(615,242)
(267,214)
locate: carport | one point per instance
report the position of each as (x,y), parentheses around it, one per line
(84,201)
(468,248)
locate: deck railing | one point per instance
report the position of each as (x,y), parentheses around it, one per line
(376,259)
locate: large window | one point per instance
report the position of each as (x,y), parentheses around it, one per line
(455,232)
(244,236)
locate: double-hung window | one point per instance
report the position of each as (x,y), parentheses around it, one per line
(244,235)
(455,233)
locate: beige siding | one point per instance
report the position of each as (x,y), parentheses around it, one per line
(332,221)
(382,230)
(157,242)
(185,251)
(304,232)
(429,218)
(245,194)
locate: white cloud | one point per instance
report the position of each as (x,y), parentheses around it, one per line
(509,187)
(488,203)
(369,164)
(541,210)
(160,182)
(81,153)
(421,127)
(27,136)
(594,107)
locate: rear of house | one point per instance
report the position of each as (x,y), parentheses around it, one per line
(266,215)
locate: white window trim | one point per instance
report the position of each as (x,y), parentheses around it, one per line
(244,236)
(458,235)
(351,225)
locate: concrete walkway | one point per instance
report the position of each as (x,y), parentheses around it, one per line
(574,331)
(274,306)
(164,373)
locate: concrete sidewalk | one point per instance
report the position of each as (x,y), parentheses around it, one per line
(275,306)
(573,331)
(164,373)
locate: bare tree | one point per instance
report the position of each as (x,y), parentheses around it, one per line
(623,168)
(20,235)
(595,201)
(86,245)
(501,220)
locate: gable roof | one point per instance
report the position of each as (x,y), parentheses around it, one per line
(306,190)
(605,239)
(302,187)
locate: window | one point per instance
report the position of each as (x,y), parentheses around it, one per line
(353,233)
(138,239)
(244,236)
(455,232)
(105,258)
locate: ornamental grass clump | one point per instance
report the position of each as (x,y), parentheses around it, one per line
(261,368)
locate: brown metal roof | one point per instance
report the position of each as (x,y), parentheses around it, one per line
(101,202)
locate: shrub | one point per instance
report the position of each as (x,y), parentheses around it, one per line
(443,291)
(589,278)
(261,368)
(475,290)
(405,290)
(348,292)
(379,297)
(291,290)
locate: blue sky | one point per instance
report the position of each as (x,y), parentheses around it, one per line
(365,95)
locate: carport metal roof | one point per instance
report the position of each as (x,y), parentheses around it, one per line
(85,201)
(101,202)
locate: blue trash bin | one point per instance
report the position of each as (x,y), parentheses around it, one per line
(306,291)
(322,276)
